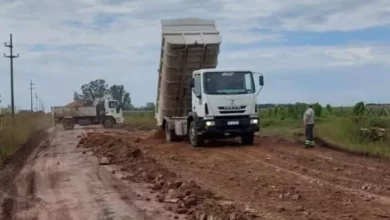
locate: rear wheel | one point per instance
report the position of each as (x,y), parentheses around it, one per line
(248,138)
(68,124)
(195,139)
(108,123)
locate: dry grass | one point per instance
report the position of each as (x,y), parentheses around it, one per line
(15,133)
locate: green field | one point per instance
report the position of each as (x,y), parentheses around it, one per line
(339,126)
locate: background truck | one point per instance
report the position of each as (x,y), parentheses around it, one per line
(105,111)
(194,99)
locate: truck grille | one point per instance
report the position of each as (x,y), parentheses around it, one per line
(231,109)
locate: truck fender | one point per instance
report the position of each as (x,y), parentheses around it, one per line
(192,116)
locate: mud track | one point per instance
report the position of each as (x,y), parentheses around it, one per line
(280,180)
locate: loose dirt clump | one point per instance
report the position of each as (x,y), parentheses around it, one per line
(182,197)
(157,135)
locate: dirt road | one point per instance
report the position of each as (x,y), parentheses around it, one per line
(59,182)
(136,175)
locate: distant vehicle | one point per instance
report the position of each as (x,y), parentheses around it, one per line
(196,100)
(105,111)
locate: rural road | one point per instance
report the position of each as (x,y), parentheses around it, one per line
(59,182)
(146,178)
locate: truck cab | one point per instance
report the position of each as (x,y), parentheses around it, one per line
(223,105)
(113,109)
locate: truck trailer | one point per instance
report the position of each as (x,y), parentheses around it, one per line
(105,111)
(195,100)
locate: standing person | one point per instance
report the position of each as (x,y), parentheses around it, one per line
(308,121)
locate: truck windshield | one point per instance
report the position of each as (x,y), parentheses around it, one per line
(216,83)
(112,104)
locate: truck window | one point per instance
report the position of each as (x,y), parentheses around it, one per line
(216,83)
(197,84)
(112,104)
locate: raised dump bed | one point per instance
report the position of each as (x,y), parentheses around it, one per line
(187,44)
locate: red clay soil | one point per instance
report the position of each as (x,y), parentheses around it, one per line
(273,179)
(75,104)
(184,197)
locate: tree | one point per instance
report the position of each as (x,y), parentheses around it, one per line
(270,113)
(77,97)
(329,108)
(119,93)
(317,109)
(359,109)
(92,90)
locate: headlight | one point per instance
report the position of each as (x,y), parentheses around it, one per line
(254,121)
(210,123)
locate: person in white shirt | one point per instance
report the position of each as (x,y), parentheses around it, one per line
(308,121)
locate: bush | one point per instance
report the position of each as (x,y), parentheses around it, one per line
(380,122)
(317,109)
(359,109)
(267,123)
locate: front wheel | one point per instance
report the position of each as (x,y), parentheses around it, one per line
(108,123)
(248,139)
(195,139)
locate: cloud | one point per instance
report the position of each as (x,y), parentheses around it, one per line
(66,43)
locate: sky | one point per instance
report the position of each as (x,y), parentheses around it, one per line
(325,51)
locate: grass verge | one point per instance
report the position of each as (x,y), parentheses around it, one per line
(338,132)
(15,133)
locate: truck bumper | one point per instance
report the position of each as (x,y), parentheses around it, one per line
(227,127)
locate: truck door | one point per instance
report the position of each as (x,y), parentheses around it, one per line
(197,104)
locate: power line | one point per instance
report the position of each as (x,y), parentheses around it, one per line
(41,104)
(31,95)
(11,57)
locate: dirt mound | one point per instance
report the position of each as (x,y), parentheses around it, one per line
(182,197)
(157,135)
(75,104)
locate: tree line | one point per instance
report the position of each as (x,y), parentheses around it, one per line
(98,89)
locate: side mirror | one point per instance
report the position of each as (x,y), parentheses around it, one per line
(261,80)
(192,83)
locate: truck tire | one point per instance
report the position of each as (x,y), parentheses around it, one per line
(170,135)
(195,139)
(248,139)
(108,123)
(68,123)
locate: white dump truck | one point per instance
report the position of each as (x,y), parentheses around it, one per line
(105,111)
(195,100)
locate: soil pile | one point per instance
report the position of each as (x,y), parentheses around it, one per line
(182,197)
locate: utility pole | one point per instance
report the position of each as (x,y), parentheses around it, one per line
(36,102)
(31,95)
(11,57)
